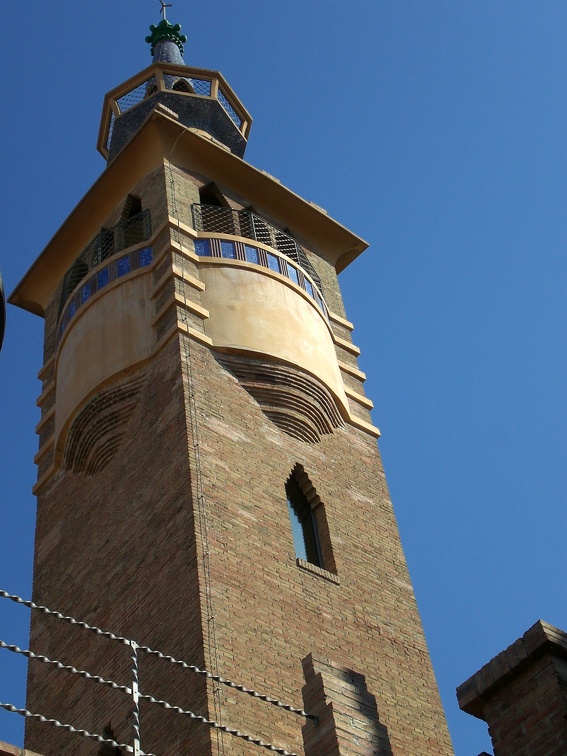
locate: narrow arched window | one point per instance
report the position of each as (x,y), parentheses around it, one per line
(304,525)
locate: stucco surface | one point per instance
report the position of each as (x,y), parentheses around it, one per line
(108,336)
(254,312)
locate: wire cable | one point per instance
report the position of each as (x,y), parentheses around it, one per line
(134,691)
(200,498)
(127,641)
(69,728)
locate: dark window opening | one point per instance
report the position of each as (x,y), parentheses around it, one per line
(211,217)
(182,85)
(212,195)
(132,206)
(304,525)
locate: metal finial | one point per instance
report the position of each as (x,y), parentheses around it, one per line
(165,31)
(163,8)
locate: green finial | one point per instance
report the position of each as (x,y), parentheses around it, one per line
(165,30)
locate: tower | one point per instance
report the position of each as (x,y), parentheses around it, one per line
(208,478)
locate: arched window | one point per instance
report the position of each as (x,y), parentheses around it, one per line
(309,526)
(132,207)
(304,526)
(183,85)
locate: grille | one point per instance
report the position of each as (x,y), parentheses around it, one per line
(236,119)
(135,96)
(225,220)
(189,85)
(107,243)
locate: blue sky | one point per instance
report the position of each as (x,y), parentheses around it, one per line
(437,131)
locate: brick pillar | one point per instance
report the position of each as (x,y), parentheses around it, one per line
(348,717)
(521,695)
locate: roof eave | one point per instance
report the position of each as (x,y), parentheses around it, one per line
(162,138)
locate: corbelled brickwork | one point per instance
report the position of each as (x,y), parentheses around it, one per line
(522,695)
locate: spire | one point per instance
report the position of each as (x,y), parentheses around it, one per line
(166,41)
(201,100)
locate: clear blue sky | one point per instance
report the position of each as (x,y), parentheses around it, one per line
(437,131)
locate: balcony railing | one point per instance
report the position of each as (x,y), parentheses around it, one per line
(275,261)
(104,275)
(108,242)
(225,220)
(184,80)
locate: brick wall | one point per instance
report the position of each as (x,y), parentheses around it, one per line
(522,695)
(270,613)
(117,550)
(183,542)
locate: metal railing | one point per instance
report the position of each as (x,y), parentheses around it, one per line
(108,242)
(181,80)
(225,220)
(104,275)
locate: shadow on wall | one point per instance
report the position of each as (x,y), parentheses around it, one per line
(346,710)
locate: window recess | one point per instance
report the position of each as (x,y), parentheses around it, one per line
(309,527)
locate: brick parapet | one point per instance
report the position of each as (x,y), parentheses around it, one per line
(348,722)
(521,694)
(540,639)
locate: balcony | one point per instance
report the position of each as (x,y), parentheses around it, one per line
(107,243)
(201,99)
(225,220)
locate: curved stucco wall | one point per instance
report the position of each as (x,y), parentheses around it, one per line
(250,310)
(107,336)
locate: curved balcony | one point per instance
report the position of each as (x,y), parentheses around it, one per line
(101,277)
(127,233)
(246,224)
(237,250)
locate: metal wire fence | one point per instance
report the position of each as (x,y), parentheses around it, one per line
(174,82)
(133,690)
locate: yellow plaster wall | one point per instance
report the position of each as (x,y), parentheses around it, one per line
(107,336)
(252,311)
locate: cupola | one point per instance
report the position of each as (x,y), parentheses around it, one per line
(198,98)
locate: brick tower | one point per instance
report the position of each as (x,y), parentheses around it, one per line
(208,478)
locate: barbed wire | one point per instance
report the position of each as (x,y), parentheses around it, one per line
(130,690)
(69,728)
(221,727)
(66,667)
(191,667)
(125,689)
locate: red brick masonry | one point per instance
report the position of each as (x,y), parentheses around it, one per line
(522,694)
